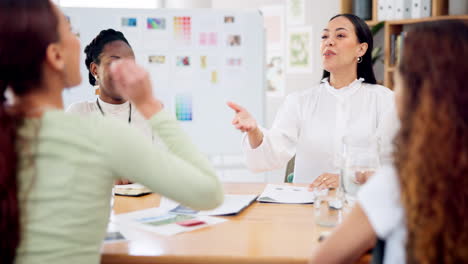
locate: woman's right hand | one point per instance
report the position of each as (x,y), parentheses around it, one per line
(133,83)
(245,122)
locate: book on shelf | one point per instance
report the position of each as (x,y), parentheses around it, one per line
(396,47)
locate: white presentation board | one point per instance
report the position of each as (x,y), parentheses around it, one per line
(197,58)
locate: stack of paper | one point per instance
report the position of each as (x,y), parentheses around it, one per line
(286,194)
(232,205)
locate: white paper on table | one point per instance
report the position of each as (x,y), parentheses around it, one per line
(233,204)
(167,204)
(143,218)
(130,186)
(286,194)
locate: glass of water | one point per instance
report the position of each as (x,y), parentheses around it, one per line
(327,209)
(360,161)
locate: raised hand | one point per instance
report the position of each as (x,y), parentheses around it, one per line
(242,120)
(245,122)
(134,84)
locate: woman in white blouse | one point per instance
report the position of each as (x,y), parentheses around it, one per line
(312,123)
(418,206)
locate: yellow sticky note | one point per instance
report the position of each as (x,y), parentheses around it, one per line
(214,76)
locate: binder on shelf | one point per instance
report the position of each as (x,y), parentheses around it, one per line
(416,9)
(402,9)
(381,10)
(390,10)
(363,9)
(426,8)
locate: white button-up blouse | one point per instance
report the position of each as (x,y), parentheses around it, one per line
(312,123)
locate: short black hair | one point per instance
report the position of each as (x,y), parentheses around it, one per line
(94,49)
(364,35)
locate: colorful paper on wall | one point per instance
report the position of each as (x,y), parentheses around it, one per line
(183,61)
(233,40)
(156,23)
(183,29)
(156,59)
(214,77)
(234,62)
(208,39)
(203,62)
(129,22)
(229,19)
(184,107)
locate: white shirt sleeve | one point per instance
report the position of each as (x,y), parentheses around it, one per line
(380,200)
(279,143)
(78,108)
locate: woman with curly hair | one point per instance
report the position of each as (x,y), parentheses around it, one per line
(419,206)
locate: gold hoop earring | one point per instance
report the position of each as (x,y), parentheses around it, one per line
(359,59)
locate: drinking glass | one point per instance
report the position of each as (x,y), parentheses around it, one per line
(327,209)
(360,161)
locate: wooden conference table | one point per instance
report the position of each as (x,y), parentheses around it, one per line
(262,233)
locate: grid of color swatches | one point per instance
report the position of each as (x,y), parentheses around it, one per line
(183,29)
(184,107)
(156,23)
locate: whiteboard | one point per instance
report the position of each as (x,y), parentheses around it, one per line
(197,59)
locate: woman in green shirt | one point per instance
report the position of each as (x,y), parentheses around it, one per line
(57,169)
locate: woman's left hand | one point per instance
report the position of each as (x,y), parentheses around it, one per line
(325,181)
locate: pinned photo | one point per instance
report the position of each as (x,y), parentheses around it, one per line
(155,23)
(203,62)
(183,61)
(234,62)
(229,19)
(234,40)
(157,59)
(129,22)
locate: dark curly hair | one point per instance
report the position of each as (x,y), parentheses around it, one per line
(432,145)
(94,49)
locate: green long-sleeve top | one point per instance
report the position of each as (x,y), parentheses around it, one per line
(66,169)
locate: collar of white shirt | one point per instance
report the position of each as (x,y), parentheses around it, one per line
(345,91)
(113,108)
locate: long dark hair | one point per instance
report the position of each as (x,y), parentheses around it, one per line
(94,49)
(432,145)
(27,27)
(364,35)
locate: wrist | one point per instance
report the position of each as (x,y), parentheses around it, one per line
(150,108)
(255,137)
